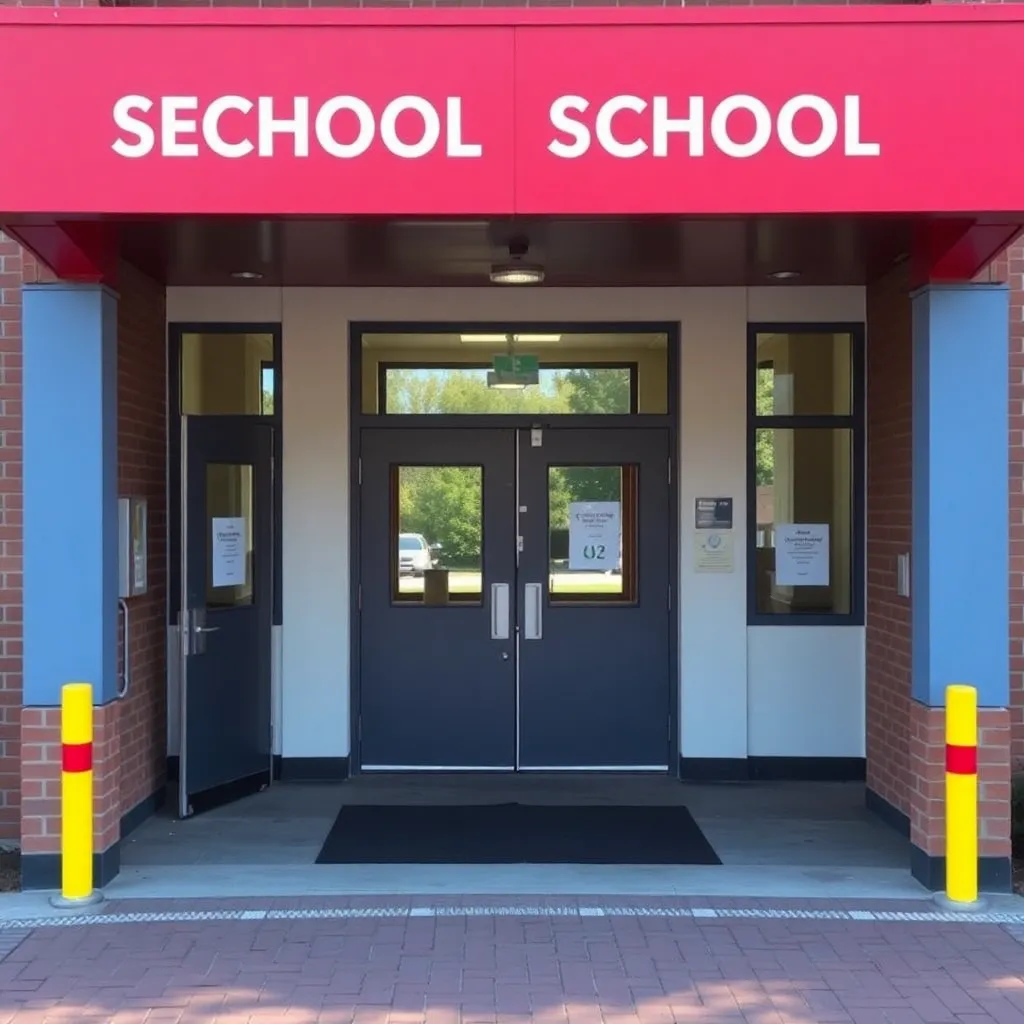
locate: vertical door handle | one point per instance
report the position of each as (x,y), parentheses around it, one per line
(500,611)
(533,627)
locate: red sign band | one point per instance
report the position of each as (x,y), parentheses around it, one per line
(76,757)
(961,760)
(520,111)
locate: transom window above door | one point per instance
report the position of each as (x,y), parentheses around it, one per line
(492,371)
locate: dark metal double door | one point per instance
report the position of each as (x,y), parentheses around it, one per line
(532,666)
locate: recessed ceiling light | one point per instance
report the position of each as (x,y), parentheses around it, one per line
(497,339)
(247,275)
(504,385)
(516,270)
(785,275)
(516,273)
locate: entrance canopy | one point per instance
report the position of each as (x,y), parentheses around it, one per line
(677,114)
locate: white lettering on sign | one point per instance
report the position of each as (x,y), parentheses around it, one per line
(180,126)
(346,127)
(655,130)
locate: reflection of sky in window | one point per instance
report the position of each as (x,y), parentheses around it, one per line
(266,390)
(547,382)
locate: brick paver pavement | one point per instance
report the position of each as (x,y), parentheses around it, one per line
(486,969)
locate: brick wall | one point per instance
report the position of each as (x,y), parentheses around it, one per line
(10,537)
(1010,268)
(888,535)
(928,773)
(40,779)
(141,470)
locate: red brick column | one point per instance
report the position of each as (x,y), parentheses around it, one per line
(142,471)
(888,645)
(10,538)
(905,739)
(130,750)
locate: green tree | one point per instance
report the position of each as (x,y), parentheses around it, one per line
(444,503)
(764,451)
(599,390)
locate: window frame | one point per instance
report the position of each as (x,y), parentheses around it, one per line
(854,421)
(382,384)
(176,331)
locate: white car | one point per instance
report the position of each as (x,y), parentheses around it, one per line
(414,554)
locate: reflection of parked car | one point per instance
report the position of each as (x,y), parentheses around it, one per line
(414,554)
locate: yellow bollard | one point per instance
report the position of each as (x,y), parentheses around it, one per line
(961,794)
(76,798)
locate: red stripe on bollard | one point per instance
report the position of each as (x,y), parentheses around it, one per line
(961,760)
(76,757)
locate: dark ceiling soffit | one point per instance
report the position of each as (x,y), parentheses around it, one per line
(944,249)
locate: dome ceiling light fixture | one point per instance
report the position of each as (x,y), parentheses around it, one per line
(784,275)
(516,270)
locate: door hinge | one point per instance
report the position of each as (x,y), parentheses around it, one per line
(359,728)
(670,597)
(359,598)
(670,471)
(359,472)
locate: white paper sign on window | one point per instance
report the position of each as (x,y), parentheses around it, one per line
(801,554)
(229,551)
(595,536)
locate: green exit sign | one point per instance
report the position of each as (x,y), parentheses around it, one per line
(512,371)
(517,366)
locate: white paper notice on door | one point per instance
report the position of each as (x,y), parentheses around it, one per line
(229,551)
(801,554)
(594,536)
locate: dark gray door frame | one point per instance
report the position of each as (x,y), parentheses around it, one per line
(175,333)
(358,420)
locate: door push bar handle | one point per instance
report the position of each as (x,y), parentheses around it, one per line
(534,599)
(499,611)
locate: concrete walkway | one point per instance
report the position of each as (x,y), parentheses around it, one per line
(385,962)
(781,840)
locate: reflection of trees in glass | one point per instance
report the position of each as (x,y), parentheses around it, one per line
(463,391)
(444,502)
(598,391)
(764,404)
(266,390)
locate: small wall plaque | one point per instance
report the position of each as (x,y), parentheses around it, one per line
(713,514)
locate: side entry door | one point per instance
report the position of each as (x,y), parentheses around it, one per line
(227,609)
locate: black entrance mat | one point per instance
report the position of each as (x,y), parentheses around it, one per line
(515,834)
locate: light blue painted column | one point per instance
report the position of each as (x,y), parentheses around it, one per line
(70,489)
(960,558)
